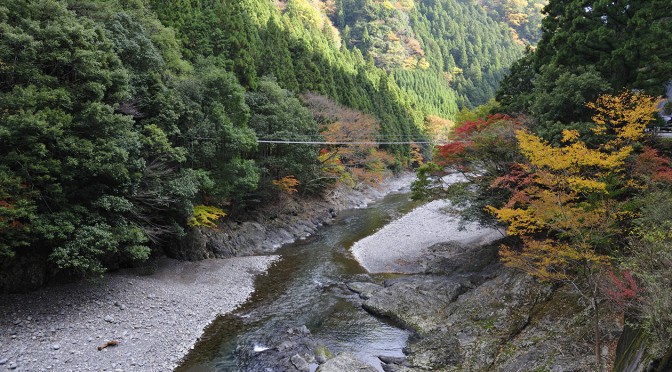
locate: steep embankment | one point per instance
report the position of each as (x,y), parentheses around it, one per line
(469,311)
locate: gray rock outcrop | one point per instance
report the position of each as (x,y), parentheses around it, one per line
(345,362)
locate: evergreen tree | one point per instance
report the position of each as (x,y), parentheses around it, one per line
(628,42)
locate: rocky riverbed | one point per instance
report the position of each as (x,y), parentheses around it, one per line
(494,319)
(150,317)
(467,311)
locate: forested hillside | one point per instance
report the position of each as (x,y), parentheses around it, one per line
(126,122)
(570,163)
(442,52)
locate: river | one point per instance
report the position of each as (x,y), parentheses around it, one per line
(306,287)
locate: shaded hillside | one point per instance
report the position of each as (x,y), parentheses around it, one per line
(126,123)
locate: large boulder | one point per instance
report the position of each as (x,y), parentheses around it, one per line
(345,362)
(417,302)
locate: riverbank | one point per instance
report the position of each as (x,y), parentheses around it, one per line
(281,223)
(155,319)
(468,311)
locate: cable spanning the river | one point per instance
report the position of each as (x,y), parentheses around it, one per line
(371,140)
(344,142)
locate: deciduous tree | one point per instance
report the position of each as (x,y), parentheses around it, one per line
(566,207)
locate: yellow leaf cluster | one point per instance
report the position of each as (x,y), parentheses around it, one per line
(205,215)
(625,115)
(572,157)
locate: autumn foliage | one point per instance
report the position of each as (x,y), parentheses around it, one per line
(205,216)
(472,138)
(359,161)
(622,289)
(287,184)
(569,203)
(565,207)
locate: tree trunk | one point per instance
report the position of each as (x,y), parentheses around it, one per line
(598,336)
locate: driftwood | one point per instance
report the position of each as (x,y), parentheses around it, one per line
(108,344)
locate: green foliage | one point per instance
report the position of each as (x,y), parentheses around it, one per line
(17,208)
(522,16)
(423,187)
(464,46)
(667,108)
(587,50)
(278,114)
(118,116)
(92,248)
(560,98)
(479,112)
(60,137)
(430,93)
(515,90)
(439,42)
(628,43)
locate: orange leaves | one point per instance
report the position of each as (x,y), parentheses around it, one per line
(416,156)
(287,184)
(355,162)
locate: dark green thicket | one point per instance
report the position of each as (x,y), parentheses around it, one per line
(589,48)
(117,117)
(76,162)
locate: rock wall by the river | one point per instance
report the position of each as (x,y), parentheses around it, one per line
(488,317)
(279,223)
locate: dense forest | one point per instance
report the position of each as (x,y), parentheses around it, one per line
(127,122)
(569,162)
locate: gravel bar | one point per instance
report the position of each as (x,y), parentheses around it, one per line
(399,246)
(155,319)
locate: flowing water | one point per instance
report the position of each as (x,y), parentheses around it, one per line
(305,288)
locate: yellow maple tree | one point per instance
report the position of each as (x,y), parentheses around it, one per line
(565,208)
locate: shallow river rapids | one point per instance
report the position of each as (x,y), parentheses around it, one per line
(306,287)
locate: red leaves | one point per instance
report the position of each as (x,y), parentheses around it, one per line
(516,181)
(652,165)
(452,153)
(468,128)
(623,290)
(449,153)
